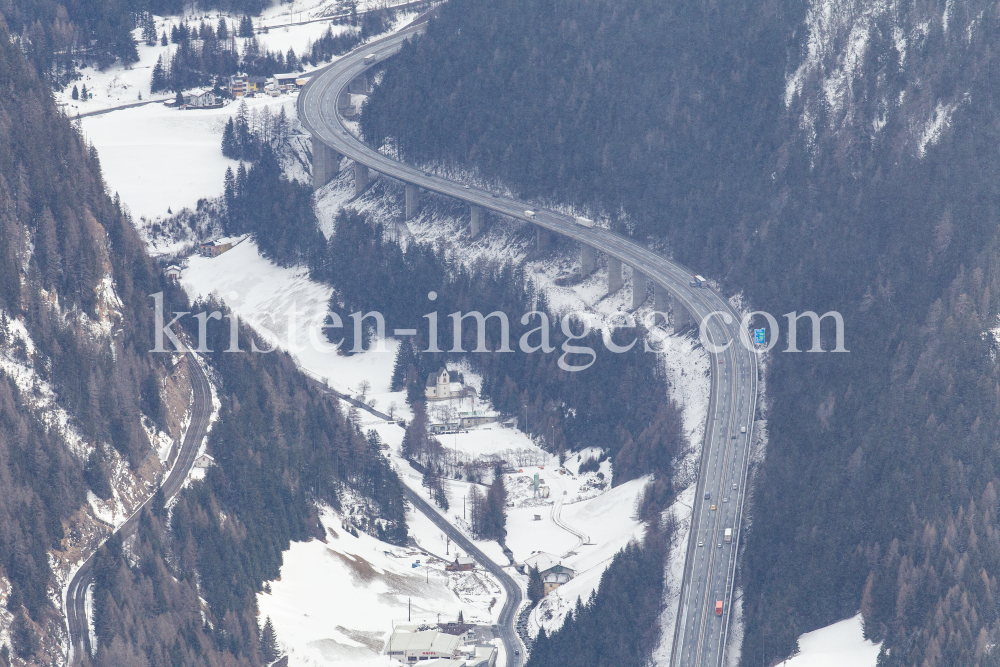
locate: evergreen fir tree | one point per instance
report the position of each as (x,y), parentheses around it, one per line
(76,92)
(246,27)
(175,34)
(222,31)
(496,507)
(179,99)
(229,148)
(269,642)
(158,505)
(461,617)
(229,192)
(440,497)
(415,438)
(241,181)
(148,29)
(536,588)
(159,80)
(83,93)
(405,359)
(291,60)
(163,39)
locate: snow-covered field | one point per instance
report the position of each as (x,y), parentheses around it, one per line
(288,307)
(842,643)
(158,158)
(335,603)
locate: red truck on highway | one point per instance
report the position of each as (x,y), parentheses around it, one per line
(718,608)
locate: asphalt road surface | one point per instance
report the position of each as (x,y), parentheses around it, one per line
(508,614)
(700,634)
(76,592)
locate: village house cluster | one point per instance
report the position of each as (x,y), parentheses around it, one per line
(244,85)
(239,86)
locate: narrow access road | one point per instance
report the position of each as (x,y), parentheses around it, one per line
(76,591)
(508,614)
(131,105)
(556,515)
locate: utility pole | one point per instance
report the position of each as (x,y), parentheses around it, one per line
(408,608)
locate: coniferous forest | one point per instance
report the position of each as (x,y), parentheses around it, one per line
(75,310)
(620,404)
(878,488)
(79,234)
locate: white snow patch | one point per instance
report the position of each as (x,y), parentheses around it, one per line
(842,643)
(316,626)
(935,125)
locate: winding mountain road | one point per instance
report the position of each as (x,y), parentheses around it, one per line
(508,613)
(710,566)
(76,591)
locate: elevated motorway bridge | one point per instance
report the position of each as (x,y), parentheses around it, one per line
(710,567)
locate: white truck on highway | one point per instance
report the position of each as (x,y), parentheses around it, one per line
(698,281)
(728,536)
(530,214)
(584,222)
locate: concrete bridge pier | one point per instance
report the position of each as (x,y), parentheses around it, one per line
(412,200)
(543,238)
(588,257)
(360,178)
(615,281)
(325,164)
(661,299)
(359,84)
(344,104)
(477,220)
(638,288)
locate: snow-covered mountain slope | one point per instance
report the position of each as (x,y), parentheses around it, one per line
(865,67)
(318,626)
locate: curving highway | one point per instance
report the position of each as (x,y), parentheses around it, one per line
(710,566)
(76,591)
